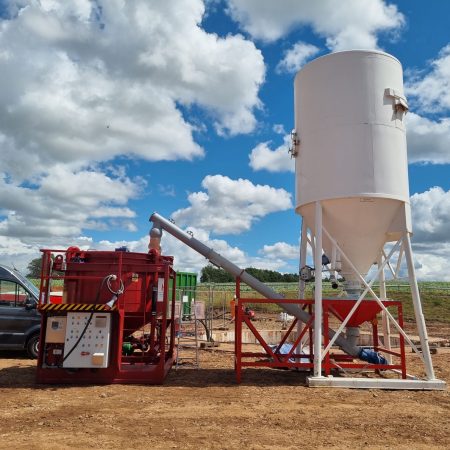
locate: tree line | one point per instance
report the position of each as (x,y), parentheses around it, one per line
(211,274)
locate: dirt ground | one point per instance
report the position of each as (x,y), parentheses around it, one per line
(205,408)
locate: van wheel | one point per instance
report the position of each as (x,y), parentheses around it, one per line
(33,346)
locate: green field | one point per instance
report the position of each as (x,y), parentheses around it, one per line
(435,296)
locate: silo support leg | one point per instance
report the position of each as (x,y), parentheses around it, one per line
(318,292)
(301,283)
(420,319)
(384,317)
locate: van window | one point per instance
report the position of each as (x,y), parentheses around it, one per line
(12,294)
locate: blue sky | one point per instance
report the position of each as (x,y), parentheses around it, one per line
(109,112)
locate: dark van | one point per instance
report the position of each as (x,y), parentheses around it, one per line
(20,321)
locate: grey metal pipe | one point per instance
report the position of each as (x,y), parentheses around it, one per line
(160,223)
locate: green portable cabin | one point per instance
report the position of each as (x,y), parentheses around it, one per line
(186,286)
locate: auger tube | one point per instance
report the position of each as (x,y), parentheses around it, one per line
(160,223)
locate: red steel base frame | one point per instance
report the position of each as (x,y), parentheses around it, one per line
(293,360)
(122,369)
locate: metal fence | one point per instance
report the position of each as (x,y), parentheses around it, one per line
(435,297)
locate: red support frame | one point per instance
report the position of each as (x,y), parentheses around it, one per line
(271,358)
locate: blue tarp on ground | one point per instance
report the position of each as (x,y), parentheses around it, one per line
(285,349)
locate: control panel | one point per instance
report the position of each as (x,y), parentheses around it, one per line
(55,332)
(92,349)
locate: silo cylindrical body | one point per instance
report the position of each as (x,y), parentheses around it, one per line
(351,152)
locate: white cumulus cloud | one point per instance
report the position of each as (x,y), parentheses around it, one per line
(187,259)
(262,157)
(432,91)
(431,238)
(63,204)
(428,140)
(431,215)
(352,24)
(73,89)
(83,82)
(231,206)
(429,93)
(431,261)
(281,250)
(296,57)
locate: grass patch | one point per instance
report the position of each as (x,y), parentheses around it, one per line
(435,296)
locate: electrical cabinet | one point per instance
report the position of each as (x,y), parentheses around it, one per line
(92,349)
(55,333)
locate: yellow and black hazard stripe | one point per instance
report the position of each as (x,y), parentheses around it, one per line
(75,307)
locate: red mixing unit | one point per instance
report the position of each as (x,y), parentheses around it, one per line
(116,322)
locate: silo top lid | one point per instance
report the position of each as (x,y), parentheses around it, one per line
(328,55)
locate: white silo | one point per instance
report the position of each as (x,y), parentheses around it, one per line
(349,120)
(352,189)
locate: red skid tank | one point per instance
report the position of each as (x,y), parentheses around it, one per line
(116,316)
(85,269)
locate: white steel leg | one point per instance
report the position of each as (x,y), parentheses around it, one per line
(420,320)
(384,318)
(301,283)
(303,251)
(318,293)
